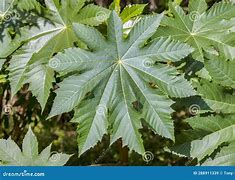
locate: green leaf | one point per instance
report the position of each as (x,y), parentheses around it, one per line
(219,130)
(11,155)
(9,16)
(115,5)
(221,70)
(30,145)
(199,6)
(117,72)
(226,157)
(5,6)
(29,5)
(92,15)
(207,135)
(8,45)
(132,11)
(48,158)
(30,63)
(202,29)
(203,73)
(216,97)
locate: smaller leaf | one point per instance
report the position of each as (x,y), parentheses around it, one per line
(45,154)
(11,155)
(132,11)
(219,130)
(5,5)
(206,135)
(226,157)
(115,5)
(30,145)
(199,6)
(215,96)
(221,70)
(92,15)
(58,159)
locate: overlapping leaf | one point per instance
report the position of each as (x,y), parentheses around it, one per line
(217,97)
(12,16)
(208,134)
(29,64)
(226,157)
(129,15)
(202,28)
(116,74)
(11,155)
(131,11)
(221,70)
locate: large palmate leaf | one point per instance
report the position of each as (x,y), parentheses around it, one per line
(11,155)
(217,97)
(202,28)
(207,135)
(29,64)
(116,73)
